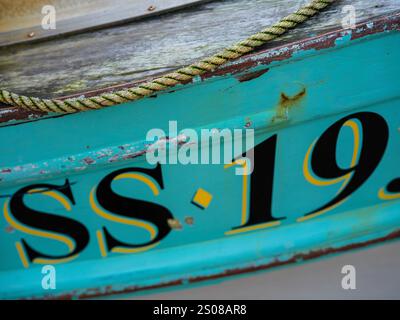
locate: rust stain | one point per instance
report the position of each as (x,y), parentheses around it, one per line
(287,102)
(189,220)
(252,75)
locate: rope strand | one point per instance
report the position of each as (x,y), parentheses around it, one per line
(169,80)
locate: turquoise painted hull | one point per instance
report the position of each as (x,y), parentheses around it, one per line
(325,115)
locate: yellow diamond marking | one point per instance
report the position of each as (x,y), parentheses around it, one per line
(202,198)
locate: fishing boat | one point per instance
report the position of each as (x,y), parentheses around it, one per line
(86,212)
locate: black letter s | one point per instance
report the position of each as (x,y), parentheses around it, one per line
(125,209)
(30,221)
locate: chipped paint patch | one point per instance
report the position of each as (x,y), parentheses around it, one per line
(251,75)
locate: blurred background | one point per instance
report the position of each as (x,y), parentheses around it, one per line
(377,277)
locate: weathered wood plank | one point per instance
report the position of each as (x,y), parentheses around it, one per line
(19,25)
(141,49)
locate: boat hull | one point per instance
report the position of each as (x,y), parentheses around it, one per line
(84,198)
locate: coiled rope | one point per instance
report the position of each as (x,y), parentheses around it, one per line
(169,80)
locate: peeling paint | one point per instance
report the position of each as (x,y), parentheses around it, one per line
(251,75)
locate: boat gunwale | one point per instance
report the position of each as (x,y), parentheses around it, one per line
(263,56)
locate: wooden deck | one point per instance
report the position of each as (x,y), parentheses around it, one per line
(137,50)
